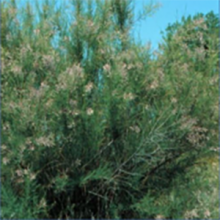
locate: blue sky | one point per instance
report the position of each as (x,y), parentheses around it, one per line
(169,12)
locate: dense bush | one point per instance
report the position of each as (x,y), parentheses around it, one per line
(93,127)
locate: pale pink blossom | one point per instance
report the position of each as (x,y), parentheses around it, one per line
(173,100)
(5,160)
(19,173)
(37,31)
(128,96)
(89,87)
(159,217)
(107,67)
(207,214)
(90,111)
(154,84)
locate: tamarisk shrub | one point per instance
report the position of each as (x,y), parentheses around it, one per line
(92,125)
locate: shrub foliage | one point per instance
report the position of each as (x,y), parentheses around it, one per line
(93,126)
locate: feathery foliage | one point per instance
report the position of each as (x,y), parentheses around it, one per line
(95,128)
